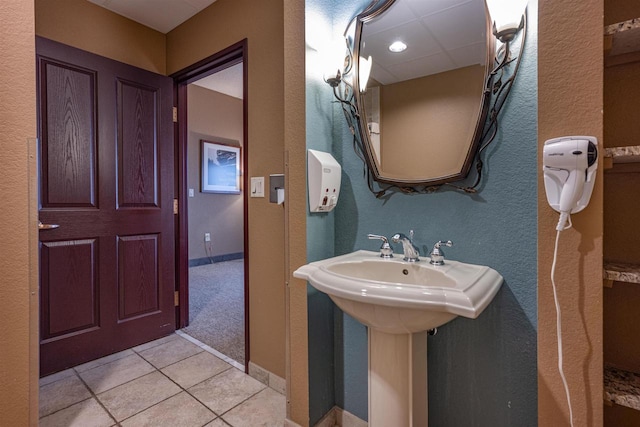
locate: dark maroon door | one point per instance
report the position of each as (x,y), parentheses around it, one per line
(106,178)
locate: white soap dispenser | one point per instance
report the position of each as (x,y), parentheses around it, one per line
(324,176)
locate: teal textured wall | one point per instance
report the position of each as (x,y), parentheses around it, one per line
(320,226)
(482,372)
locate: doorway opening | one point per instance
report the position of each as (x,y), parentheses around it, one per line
(212,224)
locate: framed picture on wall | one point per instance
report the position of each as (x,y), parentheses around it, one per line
(220,167)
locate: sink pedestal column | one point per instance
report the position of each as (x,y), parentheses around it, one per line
(397,379)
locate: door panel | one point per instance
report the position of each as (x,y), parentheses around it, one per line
(70,288)
(138,279)
(137,117)
(68,149)
(106,177)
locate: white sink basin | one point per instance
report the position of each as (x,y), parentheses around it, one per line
(395,296)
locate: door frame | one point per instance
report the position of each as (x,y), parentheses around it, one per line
(226,58)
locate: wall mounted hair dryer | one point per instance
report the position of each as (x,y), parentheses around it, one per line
(569,165)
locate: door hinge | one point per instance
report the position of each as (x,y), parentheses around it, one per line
(176,298)
(175,114)
(175,206)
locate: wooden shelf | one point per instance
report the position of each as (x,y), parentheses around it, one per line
(622,43)
(622,155)
(629,154)
(621,387)
(620,272)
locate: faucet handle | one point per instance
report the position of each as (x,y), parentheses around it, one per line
(437,256)
(386,251)
(440,243)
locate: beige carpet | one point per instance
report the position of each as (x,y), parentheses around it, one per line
(216,307)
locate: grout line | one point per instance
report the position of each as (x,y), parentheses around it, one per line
(195,398)
(153,346)
(102,365)
(245,400)
(95,397)
(211,350)
(163,400)
(207,379)
(137,378)
(118,385)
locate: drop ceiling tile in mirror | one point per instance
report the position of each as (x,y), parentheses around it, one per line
(419,43)
(423,8)
(421,67)
(474,54)
(397,15)
(459,26)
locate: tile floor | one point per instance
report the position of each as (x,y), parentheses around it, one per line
(167,382)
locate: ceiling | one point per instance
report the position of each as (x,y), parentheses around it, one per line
(161,15)
(227,81)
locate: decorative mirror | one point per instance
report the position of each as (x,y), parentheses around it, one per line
(422,88)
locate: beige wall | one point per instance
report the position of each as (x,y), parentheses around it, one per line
(295,211)
(214,117)
(261,22)
(570,80)
(86,26)
(18,265)
(418,116)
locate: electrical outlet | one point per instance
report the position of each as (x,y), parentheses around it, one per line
(207,237)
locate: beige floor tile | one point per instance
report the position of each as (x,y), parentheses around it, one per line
(192,370)
(170,352)
(265,409)
(103,360)
(226,390)
(217,423)
(118,372)
(87,413)
(135,396)
(155,343)
(181,410)
(57,376)
(61,394)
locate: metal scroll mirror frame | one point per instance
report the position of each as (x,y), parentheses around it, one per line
(502,66)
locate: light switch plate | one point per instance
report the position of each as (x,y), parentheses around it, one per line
(257,186)
(192,192)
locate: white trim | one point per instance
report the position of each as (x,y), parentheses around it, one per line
(347,419)
(329,419)
(338,417)
(267,378)
(208,349)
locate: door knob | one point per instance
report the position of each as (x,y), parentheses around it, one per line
(42,226)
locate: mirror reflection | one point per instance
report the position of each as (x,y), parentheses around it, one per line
(424,104)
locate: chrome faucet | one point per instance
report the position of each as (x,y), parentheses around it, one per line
(437,256)
(411,253)
(386,251)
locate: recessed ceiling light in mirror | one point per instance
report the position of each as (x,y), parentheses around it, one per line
(397,47)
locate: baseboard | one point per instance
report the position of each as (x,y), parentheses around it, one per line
(329,419)
(217,258)
(268,378)
(338,417)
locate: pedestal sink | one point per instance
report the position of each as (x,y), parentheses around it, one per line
(399,301)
